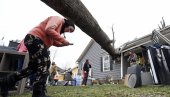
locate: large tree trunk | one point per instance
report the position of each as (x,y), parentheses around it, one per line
(76,11)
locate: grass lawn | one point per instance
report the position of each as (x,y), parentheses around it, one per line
(105,91)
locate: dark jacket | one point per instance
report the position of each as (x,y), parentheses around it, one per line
(86,67)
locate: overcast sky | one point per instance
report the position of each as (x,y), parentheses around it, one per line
(131,19)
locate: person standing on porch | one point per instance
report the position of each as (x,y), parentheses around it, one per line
(132,58)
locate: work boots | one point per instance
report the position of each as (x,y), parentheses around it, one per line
(39,91)
(6,83)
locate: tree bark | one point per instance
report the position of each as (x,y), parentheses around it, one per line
(76,11)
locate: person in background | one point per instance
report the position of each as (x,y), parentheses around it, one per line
(53,70)
(132,58)
(68,77)
(55,79)
(38,41)
(141,62)
(86,69)
(21,48)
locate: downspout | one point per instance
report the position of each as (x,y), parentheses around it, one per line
(121,66)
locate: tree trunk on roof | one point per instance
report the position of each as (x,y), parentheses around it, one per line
(76,11)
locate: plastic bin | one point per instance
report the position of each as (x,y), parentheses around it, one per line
(78,80)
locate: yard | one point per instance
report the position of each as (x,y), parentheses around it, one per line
(105,91)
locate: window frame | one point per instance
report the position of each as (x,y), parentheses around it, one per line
(106,63)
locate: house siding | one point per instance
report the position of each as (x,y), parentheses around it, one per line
(94,54)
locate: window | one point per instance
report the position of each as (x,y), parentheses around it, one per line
(106,63)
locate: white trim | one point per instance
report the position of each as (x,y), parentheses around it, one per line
(90,73)
(121,73)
